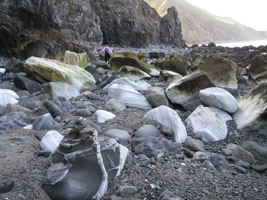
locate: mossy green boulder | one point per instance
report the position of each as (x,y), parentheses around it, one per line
(172,65)
(118,62)
(52,71)
(133,73)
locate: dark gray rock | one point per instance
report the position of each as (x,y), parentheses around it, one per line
(147,131)
(85,161)
(126,191)
(218,160)
(209,165)
(188,153)
(26,83)
(15,119)
(168,195)
(119,135)
(33,105)
(243,154)
(6,186)
(45,122)
(194,144)
(83,113)
(243,164)
(258,151)
(260,168)
(154,147)
(53,109)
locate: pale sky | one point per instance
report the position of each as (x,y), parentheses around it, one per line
(252,13)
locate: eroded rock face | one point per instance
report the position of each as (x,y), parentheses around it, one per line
(44,28)
(135,23)
(82,165)
(258,67)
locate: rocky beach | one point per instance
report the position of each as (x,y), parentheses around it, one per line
(197,146)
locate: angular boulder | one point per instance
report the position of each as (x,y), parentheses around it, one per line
(103,116)
(252,109)
(170,76)
(259,151)
(156,96)
(133,73)
(129,96)
(172,65)
(85,161)
(26,83)
(170,119)
(118,62)
(221,71)
(219,98)
(258,67)
(207,124)
(14,119)
(45,122)
(185,92)
(140,85)
(53,70)
(51,141)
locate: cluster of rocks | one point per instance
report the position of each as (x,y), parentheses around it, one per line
(99,118)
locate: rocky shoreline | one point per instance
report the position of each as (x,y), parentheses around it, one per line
(150,109)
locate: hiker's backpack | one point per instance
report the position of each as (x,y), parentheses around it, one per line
(106,50)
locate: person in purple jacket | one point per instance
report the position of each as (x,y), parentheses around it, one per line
(107,51)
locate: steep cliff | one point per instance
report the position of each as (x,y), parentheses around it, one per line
(46,27)
(201,26)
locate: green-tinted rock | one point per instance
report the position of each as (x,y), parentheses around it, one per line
(156,97)
(172,65)
(258,67)
(133,72)
(170,76)
(222,72)
(82,60)
(53,70)
(71,58)
(125,54)
(118,62)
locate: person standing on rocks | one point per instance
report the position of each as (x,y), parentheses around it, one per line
(107,51)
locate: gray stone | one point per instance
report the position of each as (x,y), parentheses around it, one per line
(12,120)
(114,104)
(83,113)
(126,191)
(218,160)
(119,135)
(26,83)
(194,144)
(209,165)
(201,156)
(168,195)
(53,109)
(6,186)
(153,147)
(17,108)
(33,105)
(156,97)
(243,164)
(243,154)
(147,131)
(45,122)
(258,151)
(260,168)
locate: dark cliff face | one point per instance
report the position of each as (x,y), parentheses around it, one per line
(46,27)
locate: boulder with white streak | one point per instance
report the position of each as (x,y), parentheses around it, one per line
(83,164)
(209,125)
(253,109)
(170,119)
(219,98)
(129,96)
(140,85)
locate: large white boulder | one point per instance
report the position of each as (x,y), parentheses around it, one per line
(209,125)
(139,85)
(103,116)
(128,95)
(170,119)
(219,98)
